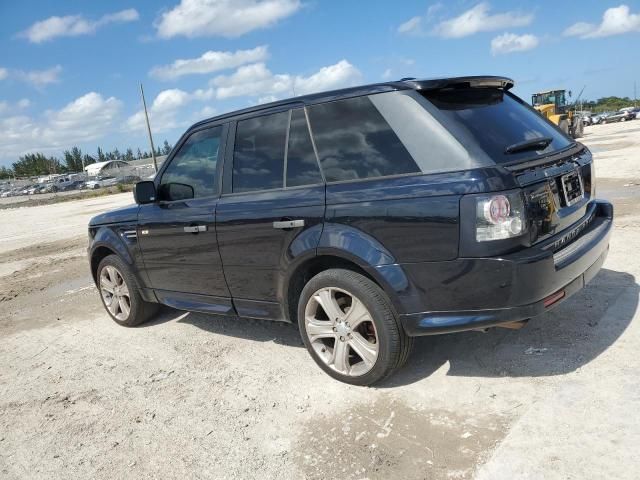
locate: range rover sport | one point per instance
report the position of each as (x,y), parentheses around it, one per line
(368,216)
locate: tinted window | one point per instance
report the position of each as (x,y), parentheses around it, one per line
(302,165)
(355,141)
(494,120)
(258,157)
(193,168)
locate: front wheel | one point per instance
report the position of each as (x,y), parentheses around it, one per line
(119,293)
(350,328)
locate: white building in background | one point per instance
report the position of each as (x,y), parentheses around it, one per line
(101,169)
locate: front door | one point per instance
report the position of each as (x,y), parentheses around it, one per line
(177,234)
(272,210)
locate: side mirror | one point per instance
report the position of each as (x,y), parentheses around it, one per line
(144,192)
(176,191)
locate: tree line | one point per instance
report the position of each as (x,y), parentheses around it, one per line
(73,160)
(608,104)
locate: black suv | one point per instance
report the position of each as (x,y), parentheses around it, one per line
(368,215)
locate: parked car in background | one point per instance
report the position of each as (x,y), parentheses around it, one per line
(37,188)
(100,182)
(620,116)
(73,185)
(25,189)
(367,216)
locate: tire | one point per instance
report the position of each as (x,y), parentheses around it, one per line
(579,130)
(375,324)
(118,273)
(623,119)
(564,126)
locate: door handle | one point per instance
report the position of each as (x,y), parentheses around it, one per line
(195,229)
(286,224)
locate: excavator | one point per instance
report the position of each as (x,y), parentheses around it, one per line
(553,105)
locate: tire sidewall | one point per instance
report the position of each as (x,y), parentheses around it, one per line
(134,296)
(377,307)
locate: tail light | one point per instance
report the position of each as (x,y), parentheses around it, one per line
(499,216)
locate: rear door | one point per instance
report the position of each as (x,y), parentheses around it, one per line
(272,208)
(177,233)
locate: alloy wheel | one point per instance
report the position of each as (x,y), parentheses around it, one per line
(115,292)
(341,331)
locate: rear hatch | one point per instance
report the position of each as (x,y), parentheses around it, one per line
(554,171)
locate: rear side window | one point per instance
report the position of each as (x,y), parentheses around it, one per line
(354,141)
(258,157)
(302,165)
(494,120)
(192,171)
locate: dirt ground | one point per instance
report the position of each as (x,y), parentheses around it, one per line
(196,396)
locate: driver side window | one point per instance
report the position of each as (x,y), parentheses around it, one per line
(192,171)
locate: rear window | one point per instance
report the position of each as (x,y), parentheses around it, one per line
(354,141)
(494,120)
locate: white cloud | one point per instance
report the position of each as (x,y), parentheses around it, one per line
(24,103)
(413,25)
(257,80)
(163,112)
(4,73)
(74,25)
(478,19)
(225,18)
(510,42)
(88,117)
(40,78)
(387,74)
(615,21)
(208,62)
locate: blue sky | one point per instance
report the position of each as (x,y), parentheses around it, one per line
(69,71)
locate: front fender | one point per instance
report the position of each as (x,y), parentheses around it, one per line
(126,247)
(105,236)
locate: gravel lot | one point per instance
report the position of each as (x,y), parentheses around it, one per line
(206,397)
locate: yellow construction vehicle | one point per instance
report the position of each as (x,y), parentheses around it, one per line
(553,105)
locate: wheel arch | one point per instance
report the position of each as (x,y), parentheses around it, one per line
(307,269)
(106,242)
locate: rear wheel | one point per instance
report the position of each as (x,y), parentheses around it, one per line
(350,329)
(564,126)
(578,130)
(119,293)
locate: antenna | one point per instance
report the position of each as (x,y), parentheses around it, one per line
(146,116)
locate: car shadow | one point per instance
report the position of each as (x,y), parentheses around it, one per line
(558,342)
(555,343)
(245,328)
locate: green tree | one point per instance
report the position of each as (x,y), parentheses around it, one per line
(36,164)
(101,156)
(6,173)
(166,148)
(128,156)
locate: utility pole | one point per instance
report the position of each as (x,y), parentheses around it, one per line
(146,116)
(635,98)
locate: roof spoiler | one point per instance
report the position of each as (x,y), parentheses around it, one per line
(473,82)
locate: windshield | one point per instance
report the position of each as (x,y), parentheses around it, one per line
(495,120)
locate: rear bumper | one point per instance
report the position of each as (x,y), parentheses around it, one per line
(483,292)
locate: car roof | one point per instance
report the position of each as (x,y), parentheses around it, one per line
(403,84)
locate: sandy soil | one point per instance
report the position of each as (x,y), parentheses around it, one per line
(196,396)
